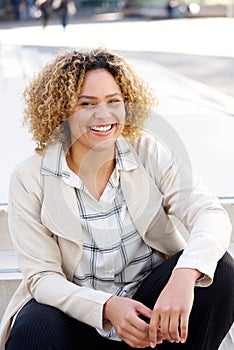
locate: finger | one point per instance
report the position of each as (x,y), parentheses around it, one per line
(184,328)
(136,338)
(153,329)
(140,331)
(144,311)
(160,337)
(165,323)
(174,327)
(141,327)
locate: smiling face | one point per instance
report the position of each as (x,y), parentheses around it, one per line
(98,118)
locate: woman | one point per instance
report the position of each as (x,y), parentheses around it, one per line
(90,218)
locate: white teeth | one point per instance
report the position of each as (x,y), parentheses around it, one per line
(101,128)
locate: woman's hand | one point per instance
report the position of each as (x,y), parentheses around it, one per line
(124,314)
(172,309)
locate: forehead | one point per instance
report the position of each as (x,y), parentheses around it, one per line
(99,79)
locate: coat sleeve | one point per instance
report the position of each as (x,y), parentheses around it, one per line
(187,199)
(191,205)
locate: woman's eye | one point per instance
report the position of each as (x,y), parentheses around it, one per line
(114,101)
(86,103)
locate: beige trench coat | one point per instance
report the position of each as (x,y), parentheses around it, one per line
(47,234)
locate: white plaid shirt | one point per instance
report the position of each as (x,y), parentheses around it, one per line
(115,259)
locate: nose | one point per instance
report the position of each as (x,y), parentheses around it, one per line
(101,111)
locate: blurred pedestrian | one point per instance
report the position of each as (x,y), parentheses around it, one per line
(64,10)
(16,9)
(30,8)
(45,8)
(63,13)
(176,9)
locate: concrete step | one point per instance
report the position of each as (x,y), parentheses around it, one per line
(10,277)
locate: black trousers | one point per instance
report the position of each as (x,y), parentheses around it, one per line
(43,327)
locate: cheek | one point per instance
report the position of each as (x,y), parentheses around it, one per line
(121,114)
(77,124)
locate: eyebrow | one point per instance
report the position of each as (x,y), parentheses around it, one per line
(94,98)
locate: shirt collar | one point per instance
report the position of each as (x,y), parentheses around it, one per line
(125,159)
(54,162)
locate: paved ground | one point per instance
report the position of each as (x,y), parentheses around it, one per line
(199,48)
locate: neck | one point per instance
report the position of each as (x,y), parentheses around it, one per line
(91,164)
(94,169)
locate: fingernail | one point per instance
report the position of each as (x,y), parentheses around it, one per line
(152,345)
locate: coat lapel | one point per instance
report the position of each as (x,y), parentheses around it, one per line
(140,206)
(59,210)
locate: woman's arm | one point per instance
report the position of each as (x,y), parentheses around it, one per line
(194,206)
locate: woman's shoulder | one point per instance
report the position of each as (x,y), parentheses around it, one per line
(26,183)
(27,173)
(145,141)
(154,154)
(29,164)
(150,145)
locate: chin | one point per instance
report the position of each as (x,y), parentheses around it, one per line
(105,144)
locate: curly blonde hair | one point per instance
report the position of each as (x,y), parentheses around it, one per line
(51,96)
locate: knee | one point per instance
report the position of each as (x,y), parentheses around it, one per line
(224,275)
(37,326)
(225,268)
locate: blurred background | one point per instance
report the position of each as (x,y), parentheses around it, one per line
(28,9)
